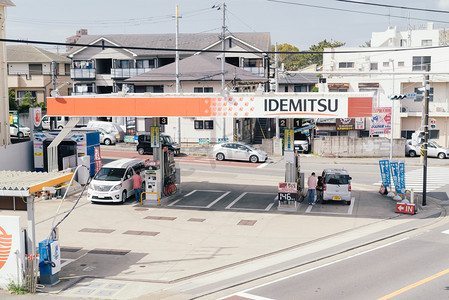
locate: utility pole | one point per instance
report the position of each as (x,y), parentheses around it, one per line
(276,72)
(392,118)
(426,135)
(223,83)
(177,69)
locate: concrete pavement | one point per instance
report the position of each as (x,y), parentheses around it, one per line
(134,252)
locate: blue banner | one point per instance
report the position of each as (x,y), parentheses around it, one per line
(394,167)
(402,177)
(385,172)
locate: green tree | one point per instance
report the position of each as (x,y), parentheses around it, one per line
(29,101)
(306,58)
(12,100)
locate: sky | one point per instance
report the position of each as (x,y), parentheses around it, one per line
(300,23)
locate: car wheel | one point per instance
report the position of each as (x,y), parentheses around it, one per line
(441,155)
(220,156)
(412,153)
(60,127)
(20,135)
(348,202)
(124,196)
(141,151)
(323,201)
(253,159)
(107,141)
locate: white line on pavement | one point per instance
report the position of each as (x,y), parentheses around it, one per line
(218,199)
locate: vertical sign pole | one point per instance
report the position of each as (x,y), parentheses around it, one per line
(426,135)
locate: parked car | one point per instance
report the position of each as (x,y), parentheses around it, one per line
(109,127)
(301,145)
(20,131)
(113,182)
(411,150)
(337,185)
(106,138)
(433,150)
(144,144)
(239,151)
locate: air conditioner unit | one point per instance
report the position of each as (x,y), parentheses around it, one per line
(404,109)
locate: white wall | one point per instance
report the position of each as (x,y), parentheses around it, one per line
(17,157)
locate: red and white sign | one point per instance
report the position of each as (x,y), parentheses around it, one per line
(405,208)
(287,187)
(98,163)
(37,116)
(12,251)
(381,120)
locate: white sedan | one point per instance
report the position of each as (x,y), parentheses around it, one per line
(20,132)
(239,151)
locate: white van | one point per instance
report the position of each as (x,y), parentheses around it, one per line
(113,182)
(60,122)
(109,127)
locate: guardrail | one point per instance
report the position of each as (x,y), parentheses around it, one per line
(158,197)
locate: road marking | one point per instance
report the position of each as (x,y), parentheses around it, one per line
(246,296)
(413,285)
(263,165)
(252,209)
(318,267)
(445,232)
(194,191)
(349,212)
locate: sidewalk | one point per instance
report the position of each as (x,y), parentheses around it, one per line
(134,252)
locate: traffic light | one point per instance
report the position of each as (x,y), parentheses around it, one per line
(398,97)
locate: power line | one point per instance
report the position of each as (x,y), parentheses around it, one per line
(394,6)
(220,51)
(356,11)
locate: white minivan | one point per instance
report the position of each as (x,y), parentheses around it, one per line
(113,182)
(109,127)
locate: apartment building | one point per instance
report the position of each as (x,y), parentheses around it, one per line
(103,70)
(37,71)
(387,71)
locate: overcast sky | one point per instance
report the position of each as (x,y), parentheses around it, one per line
(297,22)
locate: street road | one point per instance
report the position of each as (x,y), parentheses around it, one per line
(410,267)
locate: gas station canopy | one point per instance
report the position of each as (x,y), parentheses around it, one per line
(233,105)
(24,184)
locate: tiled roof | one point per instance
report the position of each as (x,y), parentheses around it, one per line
(292,78)
(194,41)
(29,53)
(7,3)
(197,68)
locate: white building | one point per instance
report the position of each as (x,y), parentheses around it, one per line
(396,70)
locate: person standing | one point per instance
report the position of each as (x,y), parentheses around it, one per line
(311,183)
(137,185)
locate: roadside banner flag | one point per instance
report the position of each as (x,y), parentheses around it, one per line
(402,177)
(385,172)
(394,167)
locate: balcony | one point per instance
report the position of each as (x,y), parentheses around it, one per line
(128,73)
(82,73)
(255,70)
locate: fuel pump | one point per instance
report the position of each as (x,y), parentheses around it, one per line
(49,260)
(152,179)
(170,179)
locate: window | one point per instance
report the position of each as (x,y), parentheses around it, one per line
(209,124)
(426,43)
(346,65)
(420,95)
(21,94)
(146,63)
(67,69)
(386,64)
(149,89)
(339,90)
(200,124)
(123,64)
(300,88)
(373,66)
(401,63)
(35,69)
(252,62)
(203,90)
(403,43)
(433,134)
(419,63)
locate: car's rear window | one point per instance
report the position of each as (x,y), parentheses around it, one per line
(110,174)
(337,179)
